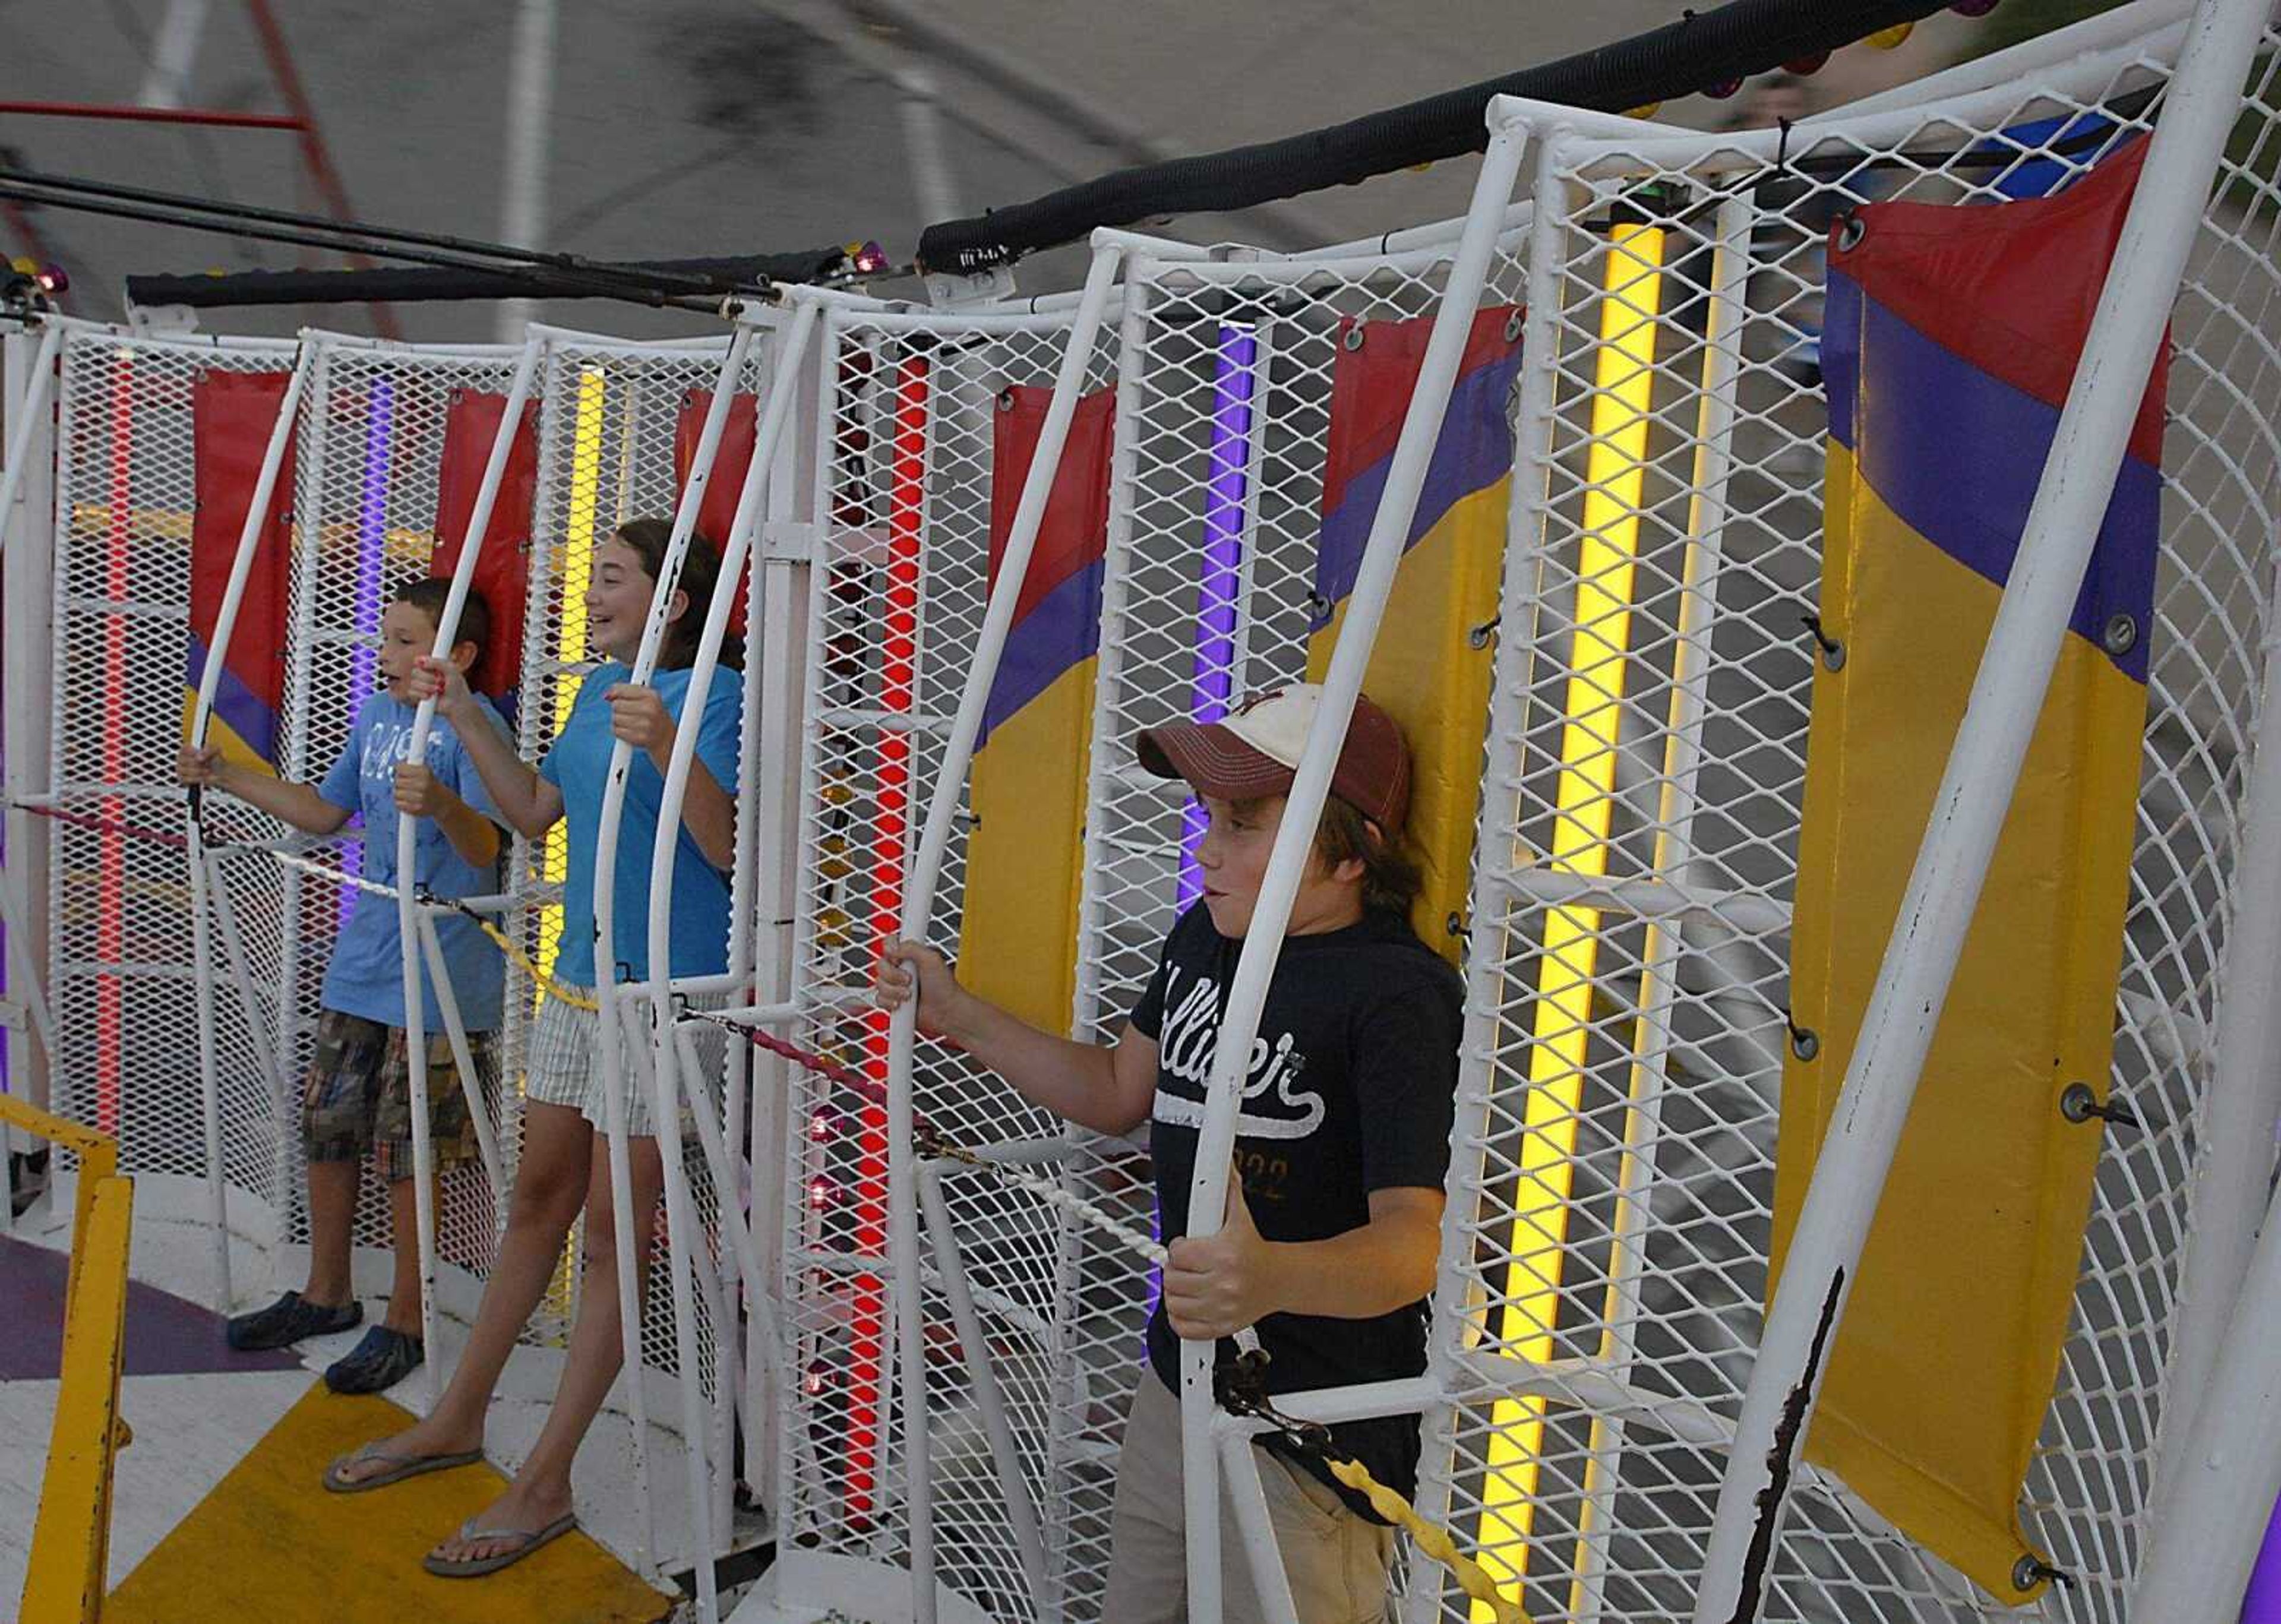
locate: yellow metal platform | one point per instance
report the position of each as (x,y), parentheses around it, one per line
(270,1543)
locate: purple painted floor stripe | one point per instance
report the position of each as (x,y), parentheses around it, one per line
(165,1336)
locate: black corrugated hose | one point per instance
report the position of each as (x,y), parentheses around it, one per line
(1702,49)
(410,285)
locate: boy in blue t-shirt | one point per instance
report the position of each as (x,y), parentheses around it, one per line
(357,1097)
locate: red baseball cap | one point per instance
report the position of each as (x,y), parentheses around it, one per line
(1253,752)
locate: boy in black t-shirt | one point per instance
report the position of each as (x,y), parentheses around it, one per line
(1343,1143)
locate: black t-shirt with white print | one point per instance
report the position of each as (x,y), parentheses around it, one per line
(1350,1090)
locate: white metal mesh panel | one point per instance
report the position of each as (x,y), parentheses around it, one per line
(1611,1238)
(904,503)
(1618,1228)
(1638,1279)
(1184,329)
(368,444)
(607,427)
(369,457)
(122,981)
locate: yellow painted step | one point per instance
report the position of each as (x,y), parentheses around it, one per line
(270,1543)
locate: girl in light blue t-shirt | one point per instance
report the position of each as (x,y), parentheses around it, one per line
(564,1168)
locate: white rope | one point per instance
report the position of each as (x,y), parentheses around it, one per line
(498,937)
(1054,1194)
(340,877)
(933,1144)
(1247,1340)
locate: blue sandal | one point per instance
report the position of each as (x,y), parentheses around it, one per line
(290,1320)
(383,1358)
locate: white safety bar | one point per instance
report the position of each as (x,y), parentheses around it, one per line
(918,904)
(673,1078)
(1263,941)
(240,567)
(606,991)
(408,920)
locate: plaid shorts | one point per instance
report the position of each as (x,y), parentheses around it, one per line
(562,1067)
(358,1097)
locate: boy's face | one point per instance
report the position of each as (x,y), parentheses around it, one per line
(406,632)
(1239,835)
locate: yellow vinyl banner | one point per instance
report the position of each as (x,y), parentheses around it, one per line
(1950,336)
(1430,667)
(1026,851)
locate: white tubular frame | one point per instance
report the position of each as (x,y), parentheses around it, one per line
(918,904)
(1494,837)
(1247,1498)
(447,1005)
(408,920)
(2207,1521)
(776,689)
(1674,850)
(241,566)
(19,738)
(25,416)
(609,1019)
(950,1265)
(1968,813)
(669,1076)
(1263,942)
(2219,1461)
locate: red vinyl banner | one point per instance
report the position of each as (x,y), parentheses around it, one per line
(718,511)
(503,568)
(232,414)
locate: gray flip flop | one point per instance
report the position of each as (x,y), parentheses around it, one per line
(528,1540)
(400,1466)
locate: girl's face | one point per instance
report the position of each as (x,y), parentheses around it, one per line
(617,601)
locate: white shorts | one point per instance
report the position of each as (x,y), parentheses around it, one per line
(563,1065)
